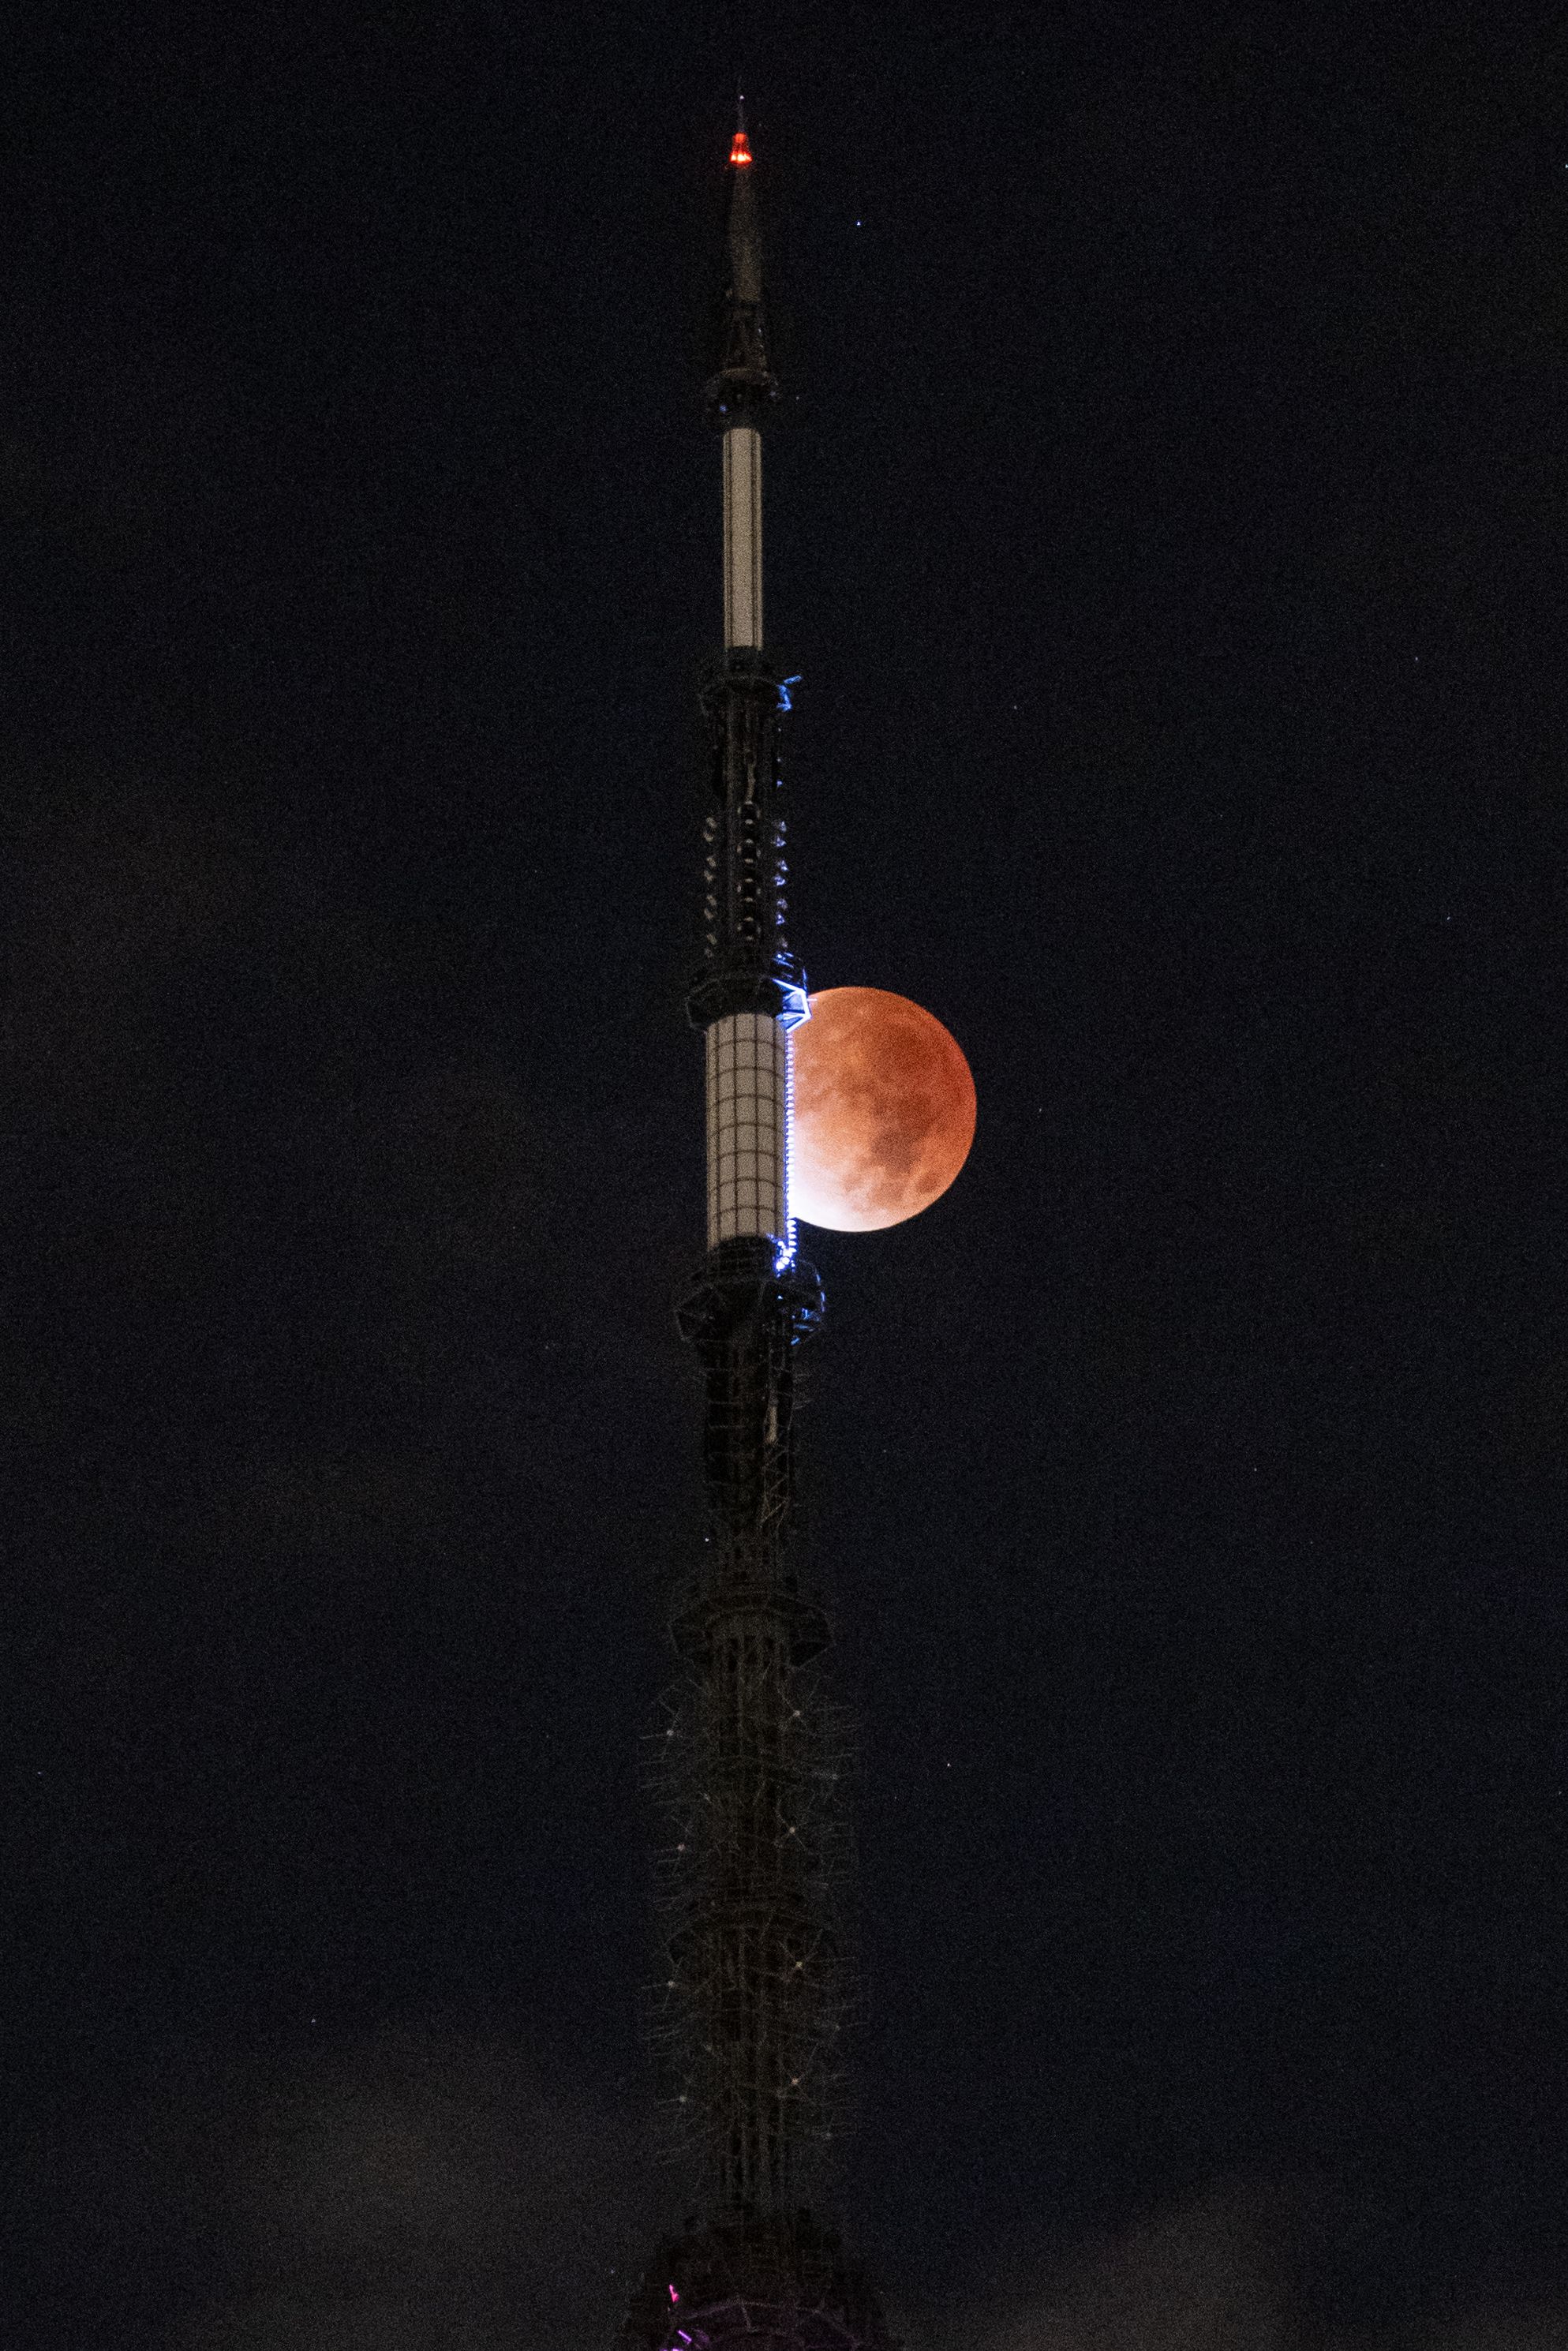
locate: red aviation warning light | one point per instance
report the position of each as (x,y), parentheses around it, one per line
(739,153)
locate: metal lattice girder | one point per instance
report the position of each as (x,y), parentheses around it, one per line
(750,1995)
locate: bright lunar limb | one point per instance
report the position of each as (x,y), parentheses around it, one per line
(883,1111)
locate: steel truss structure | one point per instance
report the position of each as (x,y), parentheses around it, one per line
(749,1759)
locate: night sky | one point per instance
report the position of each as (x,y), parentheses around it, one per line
(1165,516)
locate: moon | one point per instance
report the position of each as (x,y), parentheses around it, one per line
(883,1111)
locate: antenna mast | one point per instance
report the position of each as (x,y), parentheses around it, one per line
(752,1978)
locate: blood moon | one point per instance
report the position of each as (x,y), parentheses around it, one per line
(884,1111)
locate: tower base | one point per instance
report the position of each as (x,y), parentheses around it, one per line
(768,2284)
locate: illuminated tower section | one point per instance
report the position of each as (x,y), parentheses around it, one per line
(751,994)
(751,1977)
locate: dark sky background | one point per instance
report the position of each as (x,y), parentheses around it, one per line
(1166,517)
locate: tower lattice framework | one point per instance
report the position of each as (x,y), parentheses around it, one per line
(752,1988)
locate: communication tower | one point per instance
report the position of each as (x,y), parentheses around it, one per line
(751,1989)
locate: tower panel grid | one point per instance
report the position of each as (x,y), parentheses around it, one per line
(748,1129)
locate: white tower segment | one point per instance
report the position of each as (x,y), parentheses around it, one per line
(742,535)
(748,1129)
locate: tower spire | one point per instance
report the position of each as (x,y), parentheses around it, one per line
(743,385)
(752,1973)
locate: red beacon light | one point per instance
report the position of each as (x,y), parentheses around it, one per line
(739,153)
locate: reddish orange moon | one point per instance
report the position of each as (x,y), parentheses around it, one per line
(884,1111)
